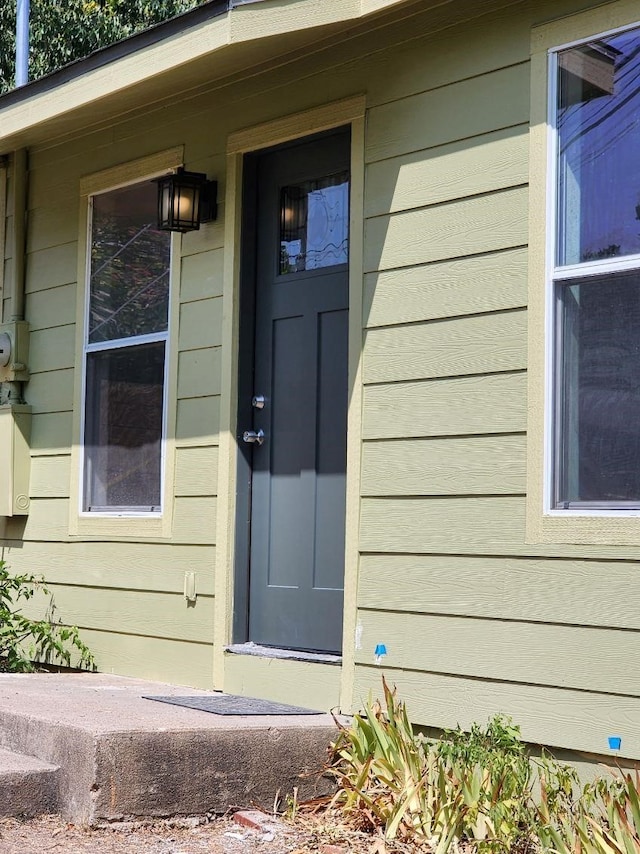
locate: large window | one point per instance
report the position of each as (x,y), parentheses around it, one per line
(125,353)
(594,446)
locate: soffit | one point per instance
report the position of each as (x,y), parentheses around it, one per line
(238,40)
(242,41)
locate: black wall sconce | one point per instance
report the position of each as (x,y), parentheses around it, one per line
(186,199)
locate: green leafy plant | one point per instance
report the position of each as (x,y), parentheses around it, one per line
(62,32)
(25,642)
(478,790)
(605,819)
(388,780)
(496,774)
(471,787)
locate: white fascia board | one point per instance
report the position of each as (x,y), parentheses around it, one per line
(370,6)
(276,17)
(117,76)
(245,22)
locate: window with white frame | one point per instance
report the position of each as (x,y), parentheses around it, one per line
(595,275)
(125,353)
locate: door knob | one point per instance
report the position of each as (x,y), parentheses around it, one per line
(252,437)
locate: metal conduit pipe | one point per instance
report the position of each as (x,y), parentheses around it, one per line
(22,42)
(4,182)
(18,253)
(19,232)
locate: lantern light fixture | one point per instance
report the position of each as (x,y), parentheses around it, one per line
(186,199)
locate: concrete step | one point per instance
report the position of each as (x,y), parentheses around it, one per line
(123,756)
(28,786)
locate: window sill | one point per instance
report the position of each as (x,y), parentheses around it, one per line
(595,527)
(119,526)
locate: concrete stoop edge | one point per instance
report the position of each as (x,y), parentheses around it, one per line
(28,786)
(142,766)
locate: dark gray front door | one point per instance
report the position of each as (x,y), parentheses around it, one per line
(297,502)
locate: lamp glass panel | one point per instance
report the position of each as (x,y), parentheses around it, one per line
(185,212)
(314,224)
(165,203)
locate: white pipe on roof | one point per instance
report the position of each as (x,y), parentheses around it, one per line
(22,43)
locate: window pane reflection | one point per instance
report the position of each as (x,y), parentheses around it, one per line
(599,145)
(129,265)
(314,224)
(600,390)
(124,428)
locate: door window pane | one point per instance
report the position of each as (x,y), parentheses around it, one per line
(314,224)
(123,433)
(598,123)
(599,406)
(129,289)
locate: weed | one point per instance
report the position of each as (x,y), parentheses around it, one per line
(605,819)
(480,790)
(497,777)
(23,640)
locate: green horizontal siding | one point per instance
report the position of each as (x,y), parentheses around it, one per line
(476,621)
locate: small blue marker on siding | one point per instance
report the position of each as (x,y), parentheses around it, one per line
(380,652)
(615,742)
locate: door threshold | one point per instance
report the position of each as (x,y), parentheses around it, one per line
(251,648)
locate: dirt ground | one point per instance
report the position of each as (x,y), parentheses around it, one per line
(177,836)
(181,836)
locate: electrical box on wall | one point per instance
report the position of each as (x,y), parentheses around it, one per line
(15,459)
(14,351)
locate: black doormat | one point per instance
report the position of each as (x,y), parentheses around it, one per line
(231,704)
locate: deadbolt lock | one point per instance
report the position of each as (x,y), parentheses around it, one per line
(252,437)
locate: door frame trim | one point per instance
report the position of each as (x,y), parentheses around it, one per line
(350,111)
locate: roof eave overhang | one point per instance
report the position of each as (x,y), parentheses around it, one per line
(227,40)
